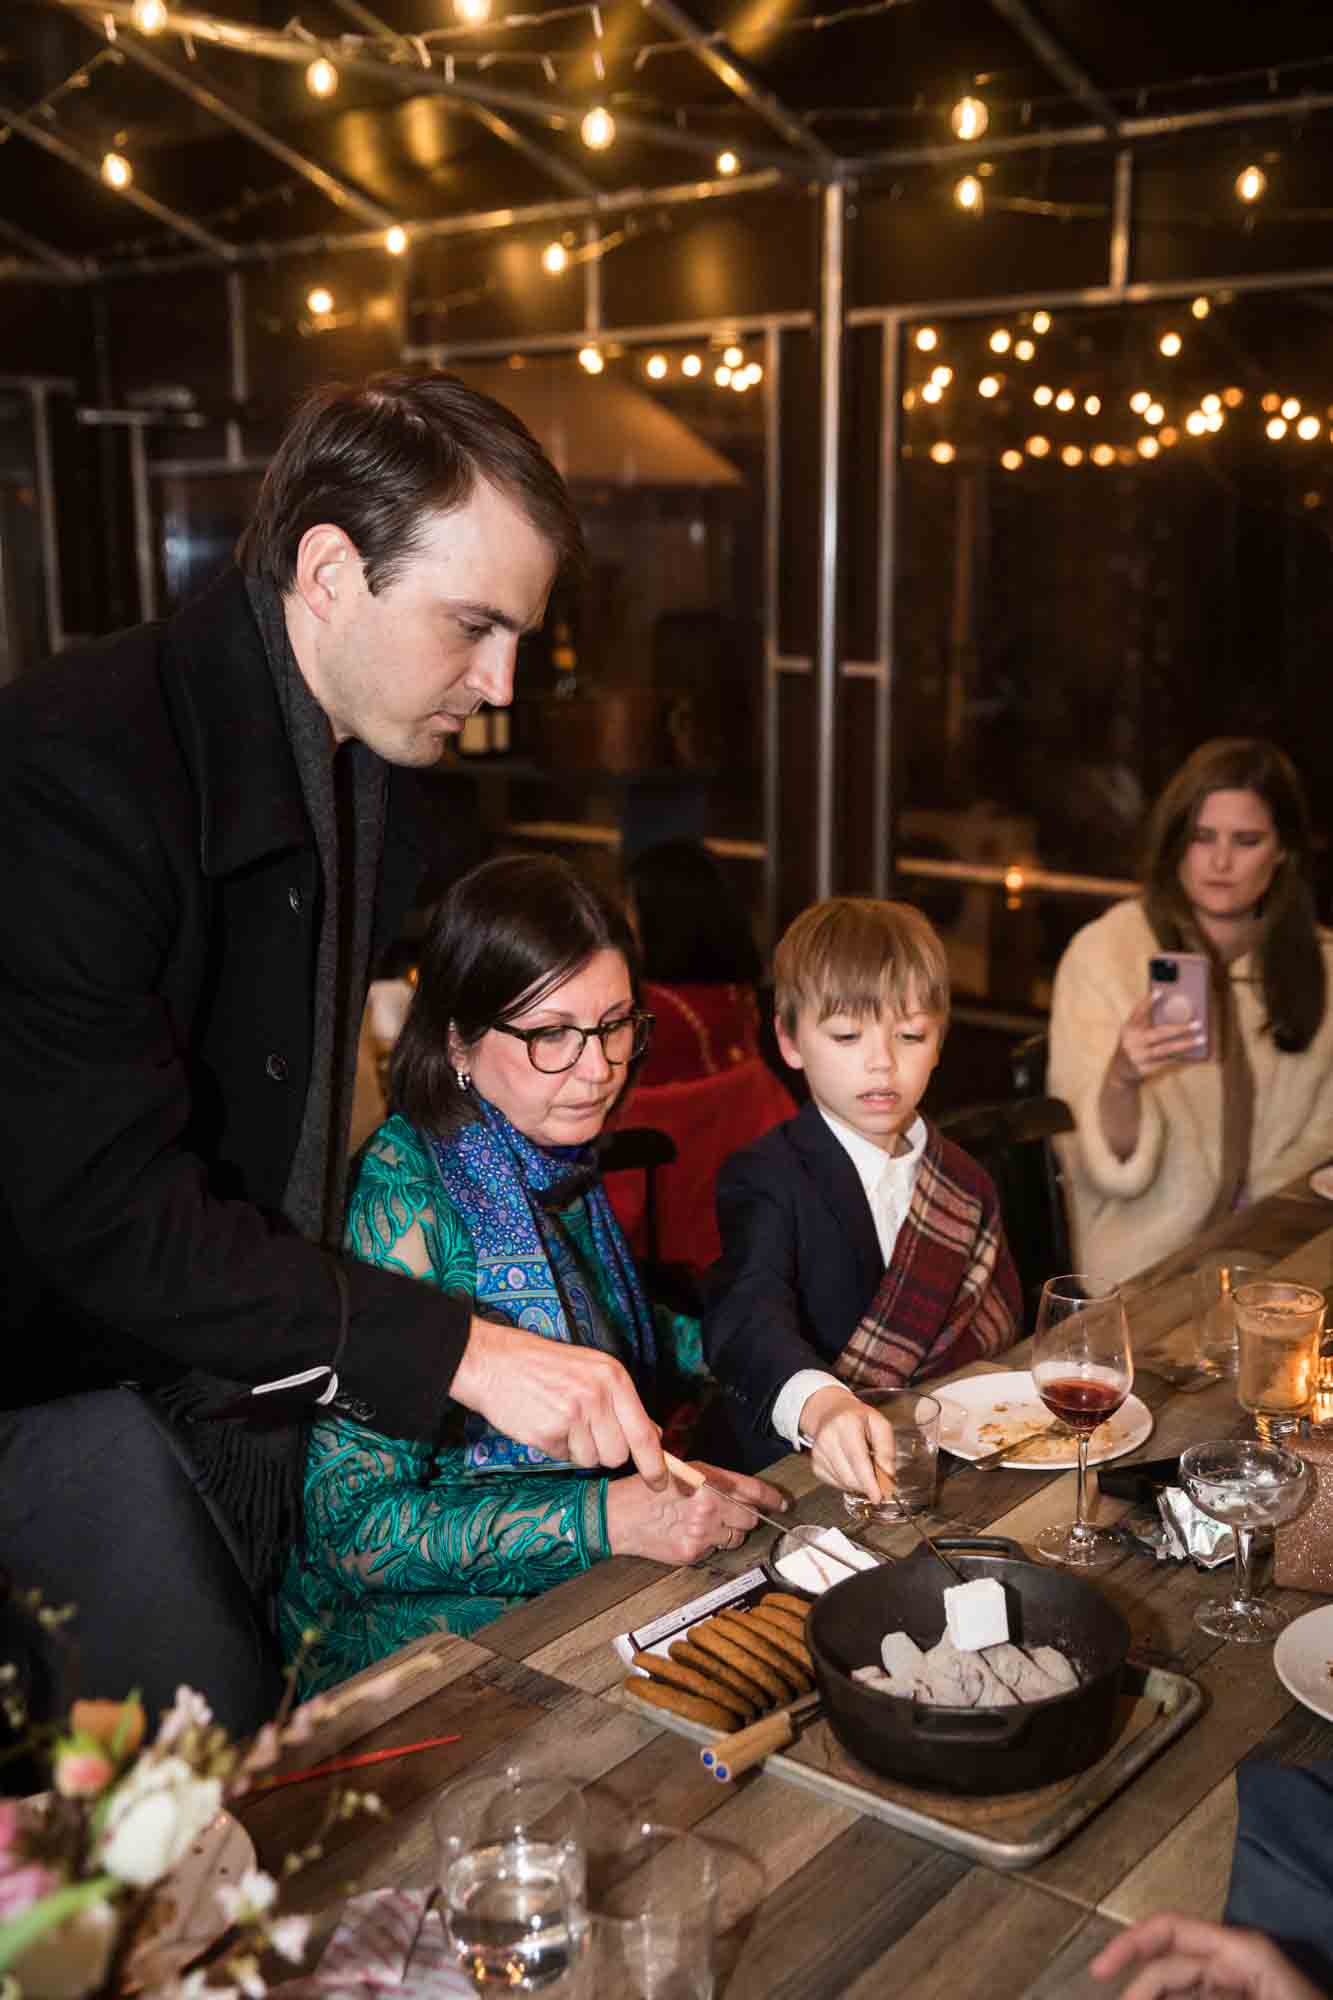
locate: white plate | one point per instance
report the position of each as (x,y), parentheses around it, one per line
(192,1920)
(980,1414)
(1303,1657)
(1321,1181)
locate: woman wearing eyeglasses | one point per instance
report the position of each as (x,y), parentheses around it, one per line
(521,1036)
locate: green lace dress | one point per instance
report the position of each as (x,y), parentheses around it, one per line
(400,1540)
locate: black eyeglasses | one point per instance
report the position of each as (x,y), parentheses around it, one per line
(553,1049)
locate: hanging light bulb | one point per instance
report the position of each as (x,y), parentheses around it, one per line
(1041,322)
(942,452)
(728,163)
(988,386)
(1170,345)
(691,366)
(1196,423)
(1011,460)
(1276,428)
(655,367)
(590,358)
(1153,414)
(1065,400)
(1072,455)
(116,170)
(1291,408)
(932,393)
(395,240)
(598,129)
(969,118)
(554,259)
(1210,405)
(722,375)
(321,78)
(1001,340)
(1092,404)
(733,357)
(968,194)
(149,16)
(1037,447)
(942,375)
(1147,447)
(1024,350)
(319,300)
(927,339)
(1043,394)
(473,13)
(1139,401)
(1103,454)
(1307,428)
(1251,182)
(1200,308)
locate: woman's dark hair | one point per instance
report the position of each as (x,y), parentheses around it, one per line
(691,926)
(1290,959)
(380,458)
(505,935)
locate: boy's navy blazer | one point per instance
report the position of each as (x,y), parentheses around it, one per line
(800,1264)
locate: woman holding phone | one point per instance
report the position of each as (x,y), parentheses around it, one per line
(1180,1121)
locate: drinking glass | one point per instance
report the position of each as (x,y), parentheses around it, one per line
(909,1487)
(1278,1328)
(513,1866)
(1083,1369)
(1248,1484)
(1216,1283)
(653,1917)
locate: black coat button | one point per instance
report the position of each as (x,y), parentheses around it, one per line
(294,898)
(276,1067)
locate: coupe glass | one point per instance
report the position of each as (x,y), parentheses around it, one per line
(1249,1485)
(1083,1369)
(513,1871)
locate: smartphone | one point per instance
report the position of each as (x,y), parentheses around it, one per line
(1179,985)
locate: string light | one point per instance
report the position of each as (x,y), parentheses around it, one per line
(969,118)
(598,129)
(1251,183)
(968,193)
(1210,405)
(1024,350)
(1214,422)
(740,380)
(691,366)
(1011,460)
(1147,447)
(1093,405)
(116,170)
(655,367)
(989,385)
(728,163)
(932,392)
(1041,322)
(927,339)
(473,13)
(1233,398)
(1200,308)
(149,16)
(321,78)
(755,372)
(1072,455)
(555,257)
(590,358)
(320,301)
(1270,401)
(1037,447)
(1196,423)
(1043,395)
(1276,428)
(1065,400)
(1291,408)
(1139,401)
(1308,427)
(395,240)
(722,375)
(1168,437)
(942,452)
(1153,414)
(1103,454)
(909,399)
(1001,340)
(733,356)
(1170,345)
(942,375)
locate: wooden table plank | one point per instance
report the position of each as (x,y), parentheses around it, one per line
(990,1934)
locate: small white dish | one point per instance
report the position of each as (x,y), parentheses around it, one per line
(1321,1181)
(1303,1659)
(983,1412)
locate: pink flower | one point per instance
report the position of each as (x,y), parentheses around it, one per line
(82,1774)
(20,1887)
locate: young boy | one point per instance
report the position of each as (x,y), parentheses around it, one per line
(860,1249)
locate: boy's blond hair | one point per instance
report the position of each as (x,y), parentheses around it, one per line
(857,955)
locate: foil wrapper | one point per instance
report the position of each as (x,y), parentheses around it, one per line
(1189,1535)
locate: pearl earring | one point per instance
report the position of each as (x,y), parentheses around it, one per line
(464,1078)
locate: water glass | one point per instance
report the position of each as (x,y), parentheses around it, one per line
(908,1487)
(654,1918)
(513,1877)
(1216,1283)
(1278,1328)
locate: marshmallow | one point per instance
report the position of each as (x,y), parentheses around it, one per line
(976,1615)
(805,1568)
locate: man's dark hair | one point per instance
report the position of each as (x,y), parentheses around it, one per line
(691,924)
(379,458)
(503,937)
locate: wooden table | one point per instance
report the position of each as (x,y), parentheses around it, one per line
(840,1904)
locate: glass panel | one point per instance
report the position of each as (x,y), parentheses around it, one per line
(23,634)
(1114,545)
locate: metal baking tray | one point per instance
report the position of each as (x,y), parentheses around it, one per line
(1014,1831)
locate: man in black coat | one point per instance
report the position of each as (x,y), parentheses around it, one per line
(209,832)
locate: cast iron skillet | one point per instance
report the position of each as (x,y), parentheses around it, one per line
(969,1749)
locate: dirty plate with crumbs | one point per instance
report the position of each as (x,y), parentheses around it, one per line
(985,1412)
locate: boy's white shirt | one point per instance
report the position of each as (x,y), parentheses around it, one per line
(889,1180)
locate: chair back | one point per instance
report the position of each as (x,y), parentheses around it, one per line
(1012,1141)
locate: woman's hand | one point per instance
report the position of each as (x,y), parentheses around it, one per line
(685,1522)
(852,1444)
(1143,1049)
(1185,1955)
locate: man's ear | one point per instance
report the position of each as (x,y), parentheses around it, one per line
(326,560)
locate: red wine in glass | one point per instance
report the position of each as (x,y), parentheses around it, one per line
(1081,1402)
(1083,1370)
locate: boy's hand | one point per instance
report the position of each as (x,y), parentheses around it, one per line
(850,1441)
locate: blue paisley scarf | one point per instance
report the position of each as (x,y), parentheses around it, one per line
(528,1273)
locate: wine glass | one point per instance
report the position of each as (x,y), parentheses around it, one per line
(1083,1370)
(513,1874)
(1248,1484)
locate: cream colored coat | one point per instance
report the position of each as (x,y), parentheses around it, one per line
(1125,1214)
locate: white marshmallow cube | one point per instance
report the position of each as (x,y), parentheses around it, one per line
(976,1615)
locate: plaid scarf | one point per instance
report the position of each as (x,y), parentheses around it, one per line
(950,1293)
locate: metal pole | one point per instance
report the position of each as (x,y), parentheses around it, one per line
(890,427)
(240,364)
(46,518)
(772,629)
(144,565)
(1122,220)
(592,284)
(833,218)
